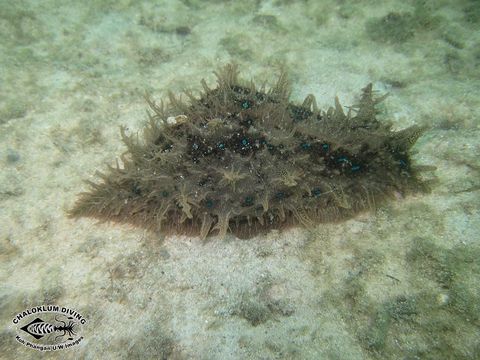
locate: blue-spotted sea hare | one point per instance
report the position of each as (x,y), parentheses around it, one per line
(243,159)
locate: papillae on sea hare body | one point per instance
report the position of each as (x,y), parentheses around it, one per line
(243,159)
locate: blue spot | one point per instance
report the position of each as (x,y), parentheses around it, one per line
(244,142)
(164,193)
(246,104)
(221,146)
(209,203)
(355,167)
(402,163)
(325,147)
(316,192)
(195,146)
(341,159)
(280,195)
(305,146)
(248,201)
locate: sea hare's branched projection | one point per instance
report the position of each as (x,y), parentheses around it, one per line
(245,160)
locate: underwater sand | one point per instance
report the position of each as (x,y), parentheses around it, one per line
(401,282)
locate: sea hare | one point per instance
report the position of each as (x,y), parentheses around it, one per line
(242,159)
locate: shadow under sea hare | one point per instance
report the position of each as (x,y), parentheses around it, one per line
(245,159)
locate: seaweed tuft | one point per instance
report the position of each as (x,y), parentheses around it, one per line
(243,159)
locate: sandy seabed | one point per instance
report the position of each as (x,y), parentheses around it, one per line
(401,282)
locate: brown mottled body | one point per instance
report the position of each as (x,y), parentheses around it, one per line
(246,160)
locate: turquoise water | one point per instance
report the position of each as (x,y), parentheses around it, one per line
(400,282)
